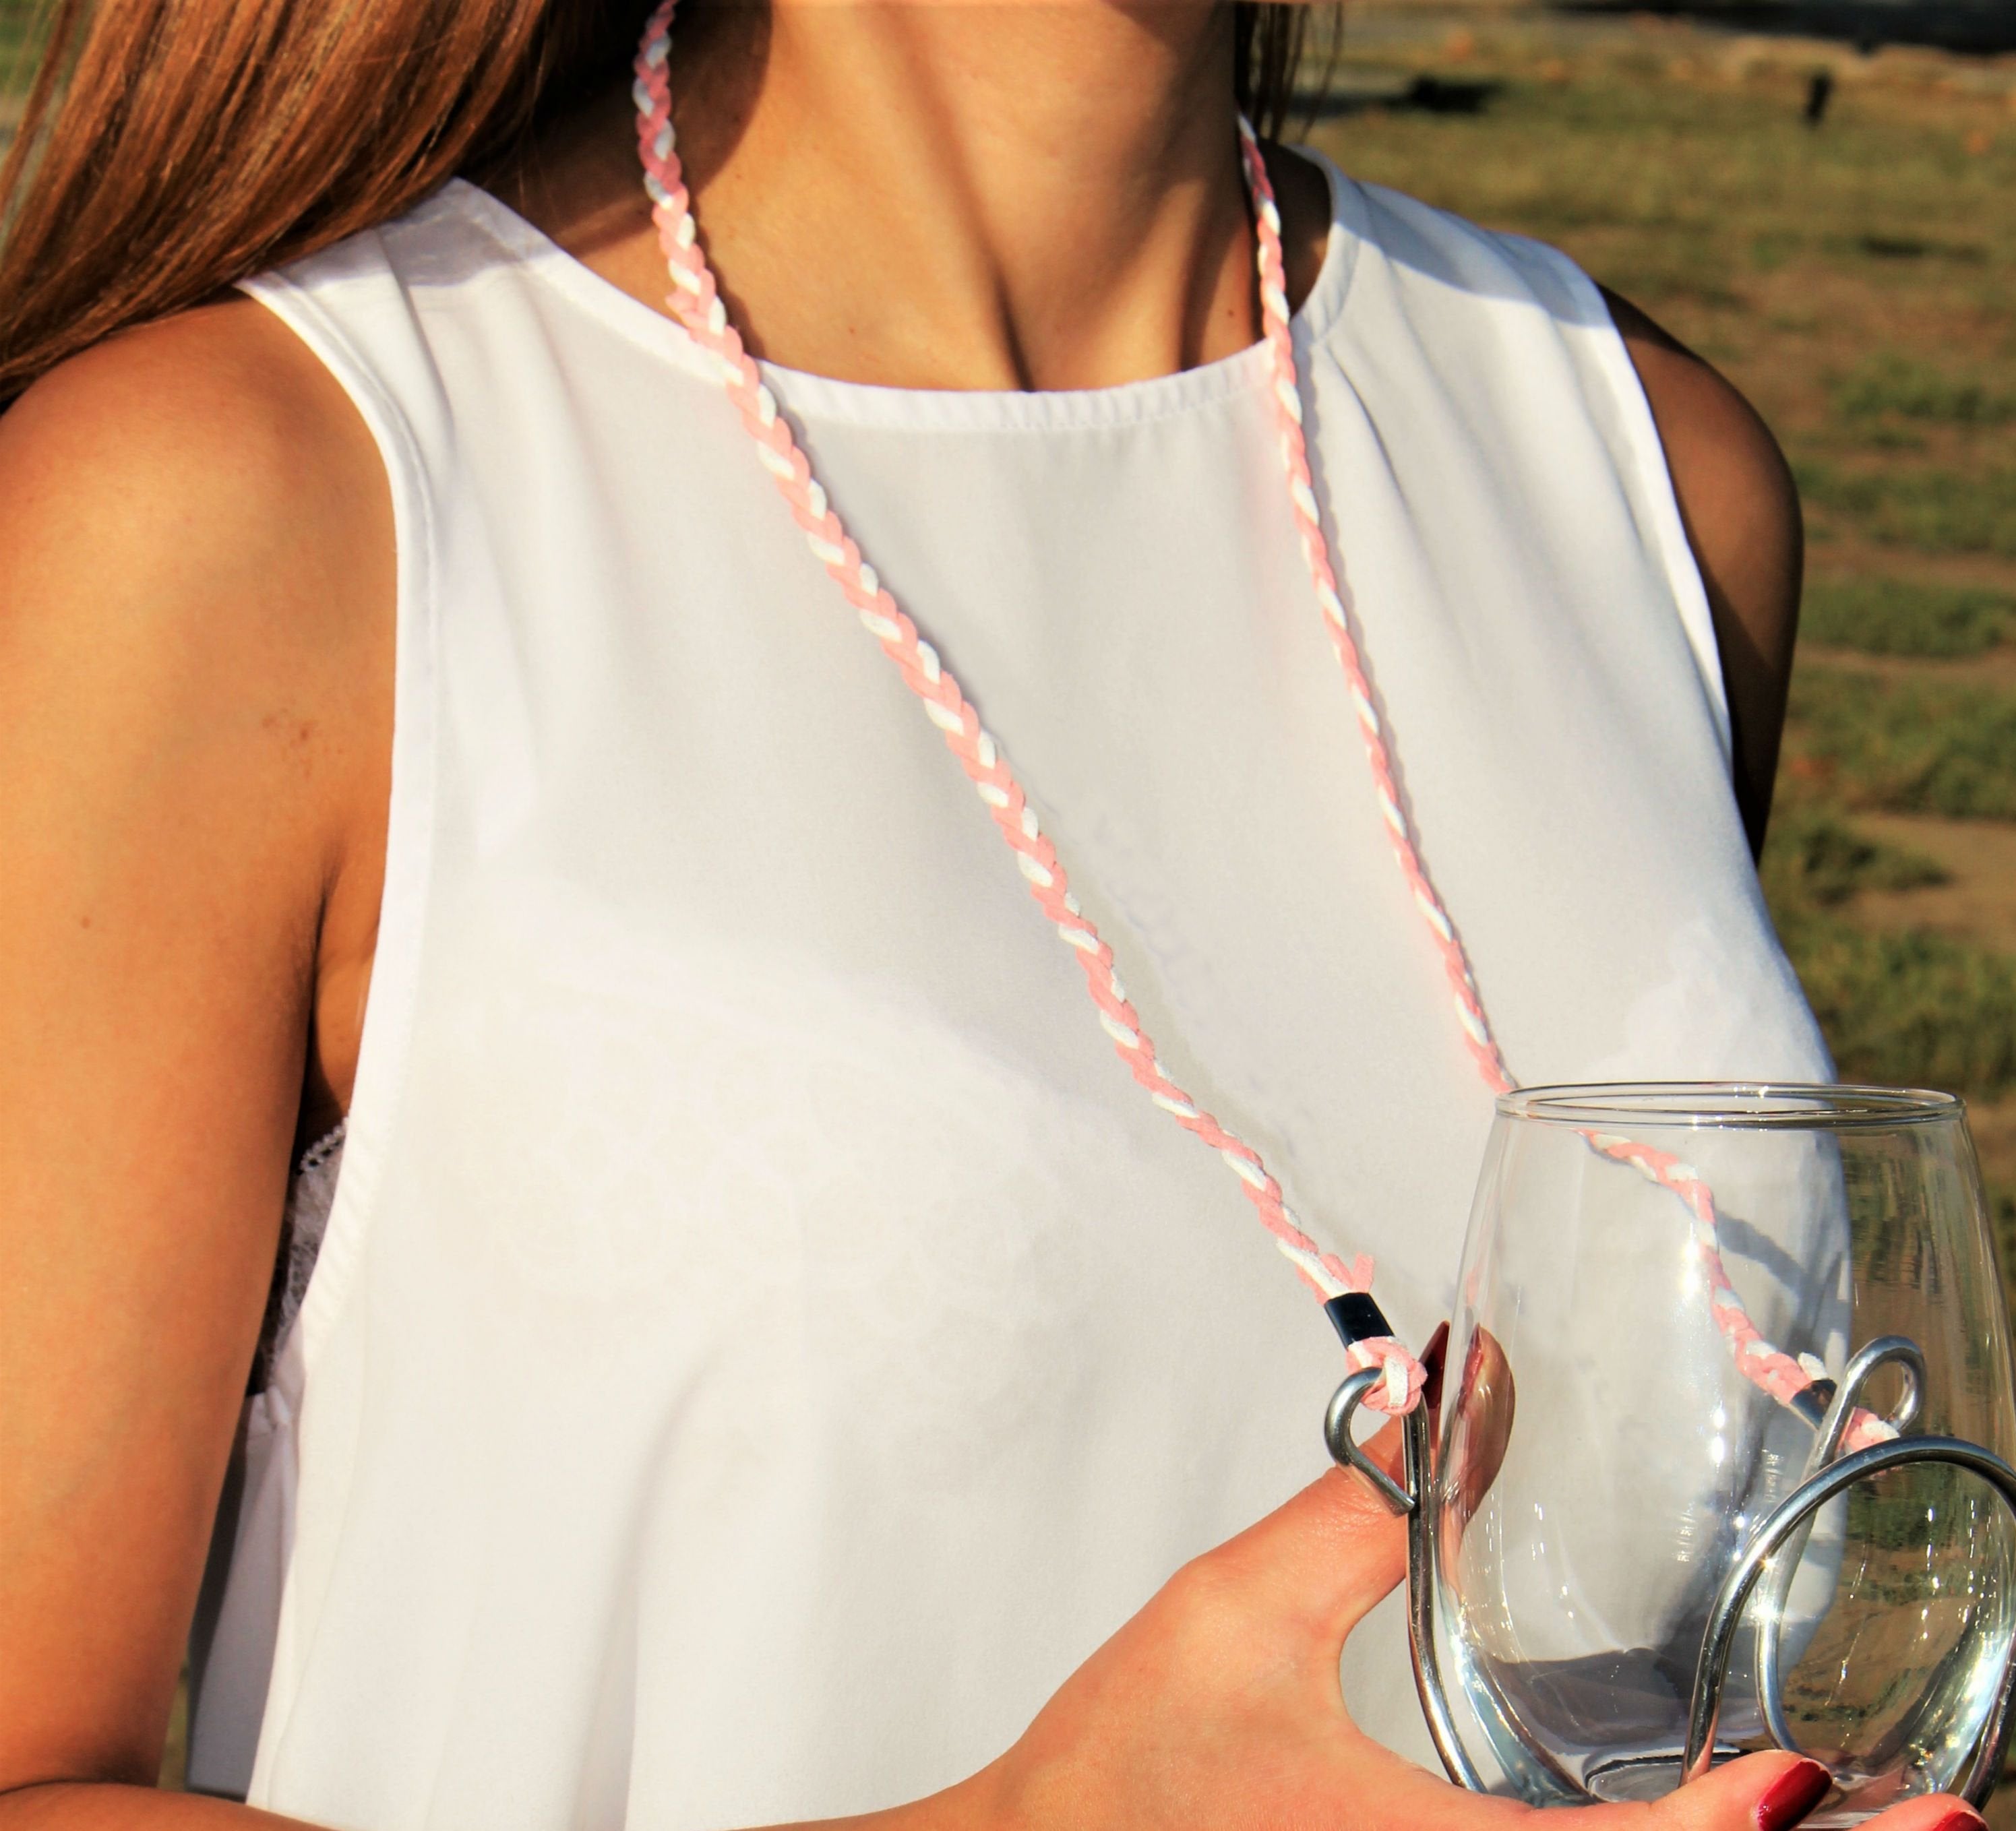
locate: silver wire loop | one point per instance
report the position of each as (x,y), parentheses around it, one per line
(1415,1462)
(1343,1450)
(1785,1529)
(1411,1500)
(1886,1350)
(1794,1514)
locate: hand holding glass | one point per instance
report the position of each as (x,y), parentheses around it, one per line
(1630,1556)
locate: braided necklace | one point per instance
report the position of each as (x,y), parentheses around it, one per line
(1345,1288)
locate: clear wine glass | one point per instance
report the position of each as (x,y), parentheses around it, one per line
(1677,1305)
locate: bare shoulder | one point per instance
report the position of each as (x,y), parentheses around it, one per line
(211,444)
(1741,510)
(194,529)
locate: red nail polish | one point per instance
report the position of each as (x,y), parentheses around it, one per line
(1794,1794)
(1961,1819)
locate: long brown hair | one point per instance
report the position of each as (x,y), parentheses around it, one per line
(168,148)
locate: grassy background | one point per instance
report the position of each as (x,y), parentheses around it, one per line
(17,19)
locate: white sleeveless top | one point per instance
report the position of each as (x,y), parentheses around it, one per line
(763,1340)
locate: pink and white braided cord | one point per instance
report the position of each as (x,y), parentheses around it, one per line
(696,302)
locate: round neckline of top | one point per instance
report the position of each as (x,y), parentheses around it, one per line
(811,397)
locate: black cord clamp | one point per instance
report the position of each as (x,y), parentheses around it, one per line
(1812,1404)
(1357,1317)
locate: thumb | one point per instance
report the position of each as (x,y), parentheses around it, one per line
(1327,1556)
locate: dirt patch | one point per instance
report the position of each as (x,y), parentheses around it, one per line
(1996,667)
(1978,900)
(1993,1125)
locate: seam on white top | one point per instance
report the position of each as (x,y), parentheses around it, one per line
(384,1049)
(817,397)
(409,835)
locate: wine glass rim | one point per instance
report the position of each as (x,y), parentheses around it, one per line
(1763,1105)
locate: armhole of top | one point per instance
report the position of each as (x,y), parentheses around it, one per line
(1652,492)
(383,1045)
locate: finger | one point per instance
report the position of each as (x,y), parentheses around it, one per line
(1760,1792)
(1776,1792)
(1763,1793)
(1937,1811)
(1379,1787)
(1484,1408)
(1328,1555)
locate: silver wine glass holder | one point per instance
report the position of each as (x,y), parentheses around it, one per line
(1828,1407)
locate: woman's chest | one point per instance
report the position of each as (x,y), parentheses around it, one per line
(721,930)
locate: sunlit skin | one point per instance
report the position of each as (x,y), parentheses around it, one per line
(195,730)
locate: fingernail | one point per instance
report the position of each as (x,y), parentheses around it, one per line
(1959,1818)
(1432,1356)
(1794,1794)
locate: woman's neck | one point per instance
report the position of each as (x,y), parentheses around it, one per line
(1040,195)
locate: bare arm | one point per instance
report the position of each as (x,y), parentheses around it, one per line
(195,601)
(1741,512)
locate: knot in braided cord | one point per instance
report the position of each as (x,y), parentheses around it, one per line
(1402,1379)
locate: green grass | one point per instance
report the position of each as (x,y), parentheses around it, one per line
(1689,191)
(1896,1005)
(1904,616)
(1903,1005)
(1817,858)
(1907,1006)
(1886,385)
(19,22)
(1907,746)
(1930,507)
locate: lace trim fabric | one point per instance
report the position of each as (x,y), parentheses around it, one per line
(311,1191)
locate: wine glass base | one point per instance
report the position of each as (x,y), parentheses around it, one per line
(1638,1779)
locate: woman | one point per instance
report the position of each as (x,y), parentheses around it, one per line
(763,1360)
